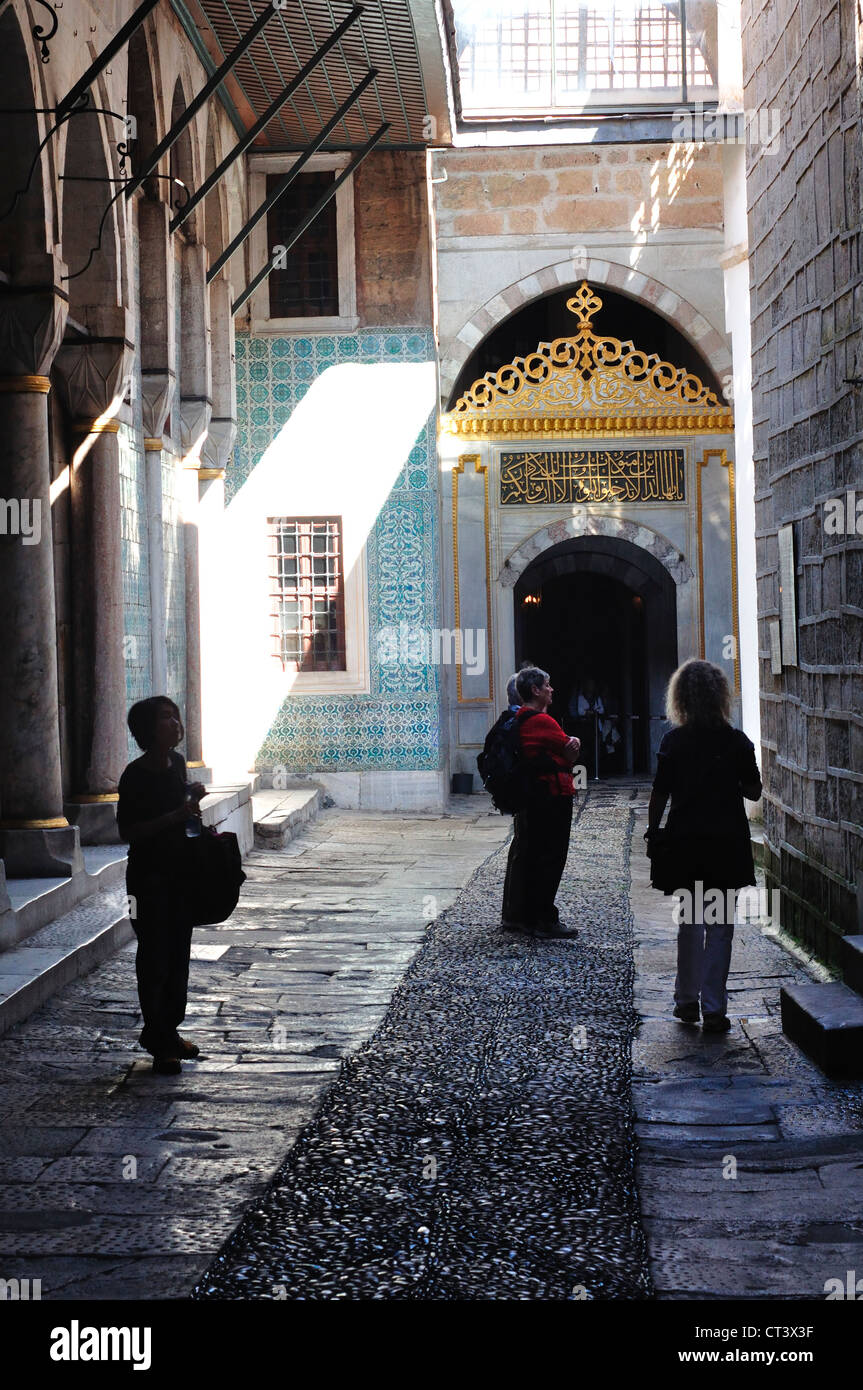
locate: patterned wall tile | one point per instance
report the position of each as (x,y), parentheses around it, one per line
(397,726)
(352,733)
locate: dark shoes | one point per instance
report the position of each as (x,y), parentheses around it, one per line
(186,1048)
(555,931)
(687,1013)
(167,1066)
(548,931)
(715,1023)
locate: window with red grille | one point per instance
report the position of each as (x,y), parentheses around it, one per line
(307,585)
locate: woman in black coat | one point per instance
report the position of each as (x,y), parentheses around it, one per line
(706,767)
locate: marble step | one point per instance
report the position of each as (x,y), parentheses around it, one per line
(826,1022)
(72,945)
(851,961)
(280,815)
(31,903)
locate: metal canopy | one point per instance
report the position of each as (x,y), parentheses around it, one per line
(383,38)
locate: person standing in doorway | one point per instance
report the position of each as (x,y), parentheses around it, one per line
(540,842)
(706,767)
(154,807)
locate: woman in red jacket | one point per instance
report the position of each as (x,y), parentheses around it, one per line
(540,842)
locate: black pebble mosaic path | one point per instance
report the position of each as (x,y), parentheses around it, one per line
(481,1144)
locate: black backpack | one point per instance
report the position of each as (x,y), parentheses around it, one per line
(505,771)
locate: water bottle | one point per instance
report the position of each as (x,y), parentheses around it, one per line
(193,824)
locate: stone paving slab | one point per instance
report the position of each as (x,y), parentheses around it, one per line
(722,1218)
(117,1183)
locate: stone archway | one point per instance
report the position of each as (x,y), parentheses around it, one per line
(590,524)
(707,339)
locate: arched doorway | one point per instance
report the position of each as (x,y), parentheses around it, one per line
(600,615)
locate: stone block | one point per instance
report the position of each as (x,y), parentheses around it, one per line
(826,1021)
(41,853)
(515,190)
(851,960)
(521,221)
(479,224)
(580,181)
(587,214)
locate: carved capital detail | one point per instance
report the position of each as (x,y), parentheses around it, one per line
(217,447)
(34,317)
(157,393)
(93,370)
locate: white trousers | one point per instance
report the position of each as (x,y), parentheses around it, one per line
(703,959)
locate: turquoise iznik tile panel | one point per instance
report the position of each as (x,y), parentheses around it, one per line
(397,725)
(352,733)
(273,375)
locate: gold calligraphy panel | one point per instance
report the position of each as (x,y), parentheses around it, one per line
(593,475)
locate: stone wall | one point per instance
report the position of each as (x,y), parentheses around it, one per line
(514,224)
(574,188)
(806,295)
(392,239)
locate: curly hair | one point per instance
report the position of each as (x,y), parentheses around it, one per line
(528,680)
(698,693)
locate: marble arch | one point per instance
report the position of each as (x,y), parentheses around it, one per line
(651,292)
(589,524)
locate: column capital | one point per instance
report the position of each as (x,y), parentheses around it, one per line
(35,307)
(217,446)
(157,393)
(93,370)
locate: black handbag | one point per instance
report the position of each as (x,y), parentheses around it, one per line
(212,878)
(662,851)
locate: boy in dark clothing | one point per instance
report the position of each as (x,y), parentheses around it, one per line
(155,804)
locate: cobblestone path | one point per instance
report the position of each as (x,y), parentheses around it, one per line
(481,1144)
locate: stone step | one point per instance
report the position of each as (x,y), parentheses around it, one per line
(851,961)
(280,815)
(72,945)
(826,1021)
(31,903)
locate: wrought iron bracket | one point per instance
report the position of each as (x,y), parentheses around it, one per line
(285,183)
(272,110)
(121,38)
(312,214)
(43,35)
(204,94)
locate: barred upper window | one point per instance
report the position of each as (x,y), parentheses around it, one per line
(307,585)
(308,284)
(534,57)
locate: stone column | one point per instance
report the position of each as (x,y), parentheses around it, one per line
(35,837)
(157,390)
(222,430)
(189,505)
(93,374)
(196,410)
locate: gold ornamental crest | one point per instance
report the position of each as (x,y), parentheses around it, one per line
(588,383)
